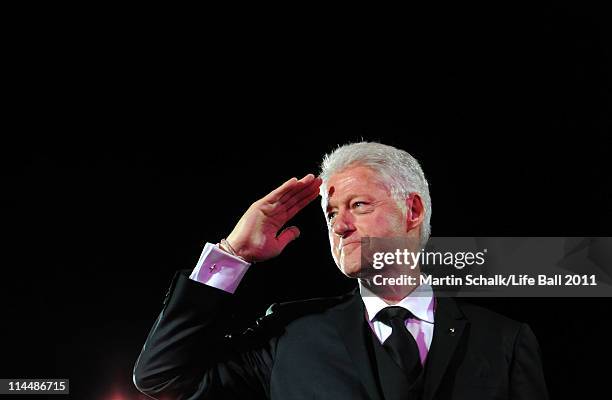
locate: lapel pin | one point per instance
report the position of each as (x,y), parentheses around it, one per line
(451,331)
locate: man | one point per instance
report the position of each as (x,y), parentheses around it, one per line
(379,342)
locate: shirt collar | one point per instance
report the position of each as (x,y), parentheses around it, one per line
(420,302)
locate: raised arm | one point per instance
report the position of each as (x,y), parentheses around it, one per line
(187,353)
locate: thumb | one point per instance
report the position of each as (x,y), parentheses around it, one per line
(288,235)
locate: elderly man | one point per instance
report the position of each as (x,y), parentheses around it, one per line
(378,342)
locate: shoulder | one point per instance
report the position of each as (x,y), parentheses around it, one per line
(279,316)
(290,311)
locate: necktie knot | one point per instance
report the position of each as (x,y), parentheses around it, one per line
(392,314)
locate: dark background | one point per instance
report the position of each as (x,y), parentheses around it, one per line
(133,146)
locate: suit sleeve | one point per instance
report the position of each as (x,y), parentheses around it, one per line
(526,374)
(188,353)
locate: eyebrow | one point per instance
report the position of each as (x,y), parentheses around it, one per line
(350,198)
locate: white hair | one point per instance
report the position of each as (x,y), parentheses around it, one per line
(399,171)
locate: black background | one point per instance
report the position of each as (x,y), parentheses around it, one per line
(136,145)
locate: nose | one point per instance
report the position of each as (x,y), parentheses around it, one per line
(343,223)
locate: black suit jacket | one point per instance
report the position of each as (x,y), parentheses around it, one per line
(316,349)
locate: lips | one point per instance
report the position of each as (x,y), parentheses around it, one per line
(343,245)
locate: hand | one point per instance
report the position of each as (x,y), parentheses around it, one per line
(256,237)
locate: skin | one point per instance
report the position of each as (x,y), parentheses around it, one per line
(359,205)
(256,237)
(356,204)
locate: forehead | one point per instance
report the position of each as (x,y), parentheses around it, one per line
(358,180)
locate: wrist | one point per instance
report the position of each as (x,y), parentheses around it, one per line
(227,247)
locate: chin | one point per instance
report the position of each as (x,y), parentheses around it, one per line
(352,270)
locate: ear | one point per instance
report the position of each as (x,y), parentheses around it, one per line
(415,211)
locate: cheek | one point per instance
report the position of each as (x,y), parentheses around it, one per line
(397,223)
(380,224)
(333,241)
(386,225)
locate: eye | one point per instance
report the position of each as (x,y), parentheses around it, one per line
(331,215)
(357,204)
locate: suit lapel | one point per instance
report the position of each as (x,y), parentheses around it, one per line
(449,326)
(348,318)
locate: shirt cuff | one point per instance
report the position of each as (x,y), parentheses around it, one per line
(219,269)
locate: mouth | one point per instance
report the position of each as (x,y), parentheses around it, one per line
(342,246)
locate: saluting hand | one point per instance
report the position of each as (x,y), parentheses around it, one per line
(256,237)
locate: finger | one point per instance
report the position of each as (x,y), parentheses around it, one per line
(307,177)
(288,235)
(297,207)
(290,197)
(277,193)
(287,188)
(297,188)
(313,187)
